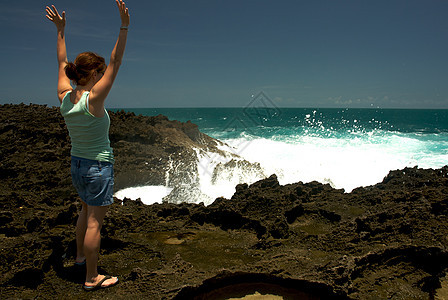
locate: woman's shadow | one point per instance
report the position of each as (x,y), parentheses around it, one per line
(63,264)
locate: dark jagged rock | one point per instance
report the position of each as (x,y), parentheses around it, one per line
(386,241)
(145,146)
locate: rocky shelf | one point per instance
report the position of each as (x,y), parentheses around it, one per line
(386,241)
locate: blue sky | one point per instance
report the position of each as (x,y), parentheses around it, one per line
(191,53)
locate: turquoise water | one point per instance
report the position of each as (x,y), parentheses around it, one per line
(292,119)
(290,124)
(344,147)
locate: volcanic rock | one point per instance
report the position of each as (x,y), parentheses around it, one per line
(386,241)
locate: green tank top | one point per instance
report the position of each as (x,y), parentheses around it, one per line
(89,134)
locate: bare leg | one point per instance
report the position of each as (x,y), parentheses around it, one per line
(92,240)
(81,227)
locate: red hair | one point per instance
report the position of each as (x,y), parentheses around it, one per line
(81,70)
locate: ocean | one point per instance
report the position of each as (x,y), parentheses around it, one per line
(346,148)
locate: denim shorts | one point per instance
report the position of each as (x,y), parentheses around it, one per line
(94,181)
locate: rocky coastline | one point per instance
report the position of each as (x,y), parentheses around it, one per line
(308,240)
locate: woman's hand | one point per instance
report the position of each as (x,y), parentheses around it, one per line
(63,81)
(53,16)
(124,13)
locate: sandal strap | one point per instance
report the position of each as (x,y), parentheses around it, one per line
(104,279)
(98,285)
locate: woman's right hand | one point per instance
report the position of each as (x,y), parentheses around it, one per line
(53,16)
(124,13)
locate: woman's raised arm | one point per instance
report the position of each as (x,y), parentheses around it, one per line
(59,21)
(101,89)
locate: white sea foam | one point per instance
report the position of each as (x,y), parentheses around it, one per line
(148,194)
(344,162)
(207,163)
(218,180)
(215,179)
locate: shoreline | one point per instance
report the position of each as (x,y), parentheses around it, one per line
(319,240)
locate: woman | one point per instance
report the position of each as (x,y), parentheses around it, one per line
(88,125)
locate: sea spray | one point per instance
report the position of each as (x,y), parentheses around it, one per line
(183,176)
(328,161)
(220,173)
(214,175)
(346,148)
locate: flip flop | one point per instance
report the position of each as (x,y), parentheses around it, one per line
(99,284)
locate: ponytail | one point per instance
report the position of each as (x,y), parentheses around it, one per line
(81,70)
(70,71)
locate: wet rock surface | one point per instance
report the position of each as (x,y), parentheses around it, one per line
(387,241)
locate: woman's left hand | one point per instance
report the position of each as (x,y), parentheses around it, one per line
(124,13)
(53,16)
